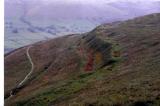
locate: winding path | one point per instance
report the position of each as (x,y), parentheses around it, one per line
(29,74)
(32,68)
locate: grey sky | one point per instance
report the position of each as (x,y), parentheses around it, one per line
(96,1)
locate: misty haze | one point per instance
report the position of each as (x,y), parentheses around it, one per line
(29,21)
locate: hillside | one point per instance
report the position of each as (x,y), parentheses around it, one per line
(116,64)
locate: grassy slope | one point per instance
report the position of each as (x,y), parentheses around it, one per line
(20,68)
(132,79)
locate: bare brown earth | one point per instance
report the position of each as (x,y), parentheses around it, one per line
(116,64)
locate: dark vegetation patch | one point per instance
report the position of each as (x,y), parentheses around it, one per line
(143,103)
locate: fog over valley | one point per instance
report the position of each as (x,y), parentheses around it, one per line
(29,21)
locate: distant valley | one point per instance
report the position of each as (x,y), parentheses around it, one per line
(27,21)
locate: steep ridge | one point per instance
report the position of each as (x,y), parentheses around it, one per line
(115,64)
(58,58)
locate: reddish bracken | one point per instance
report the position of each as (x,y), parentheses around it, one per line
(90,62)
(80,49)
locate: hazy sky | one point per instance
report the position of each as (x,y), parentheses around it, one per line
(100,0)
(96,2)
(93,2)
